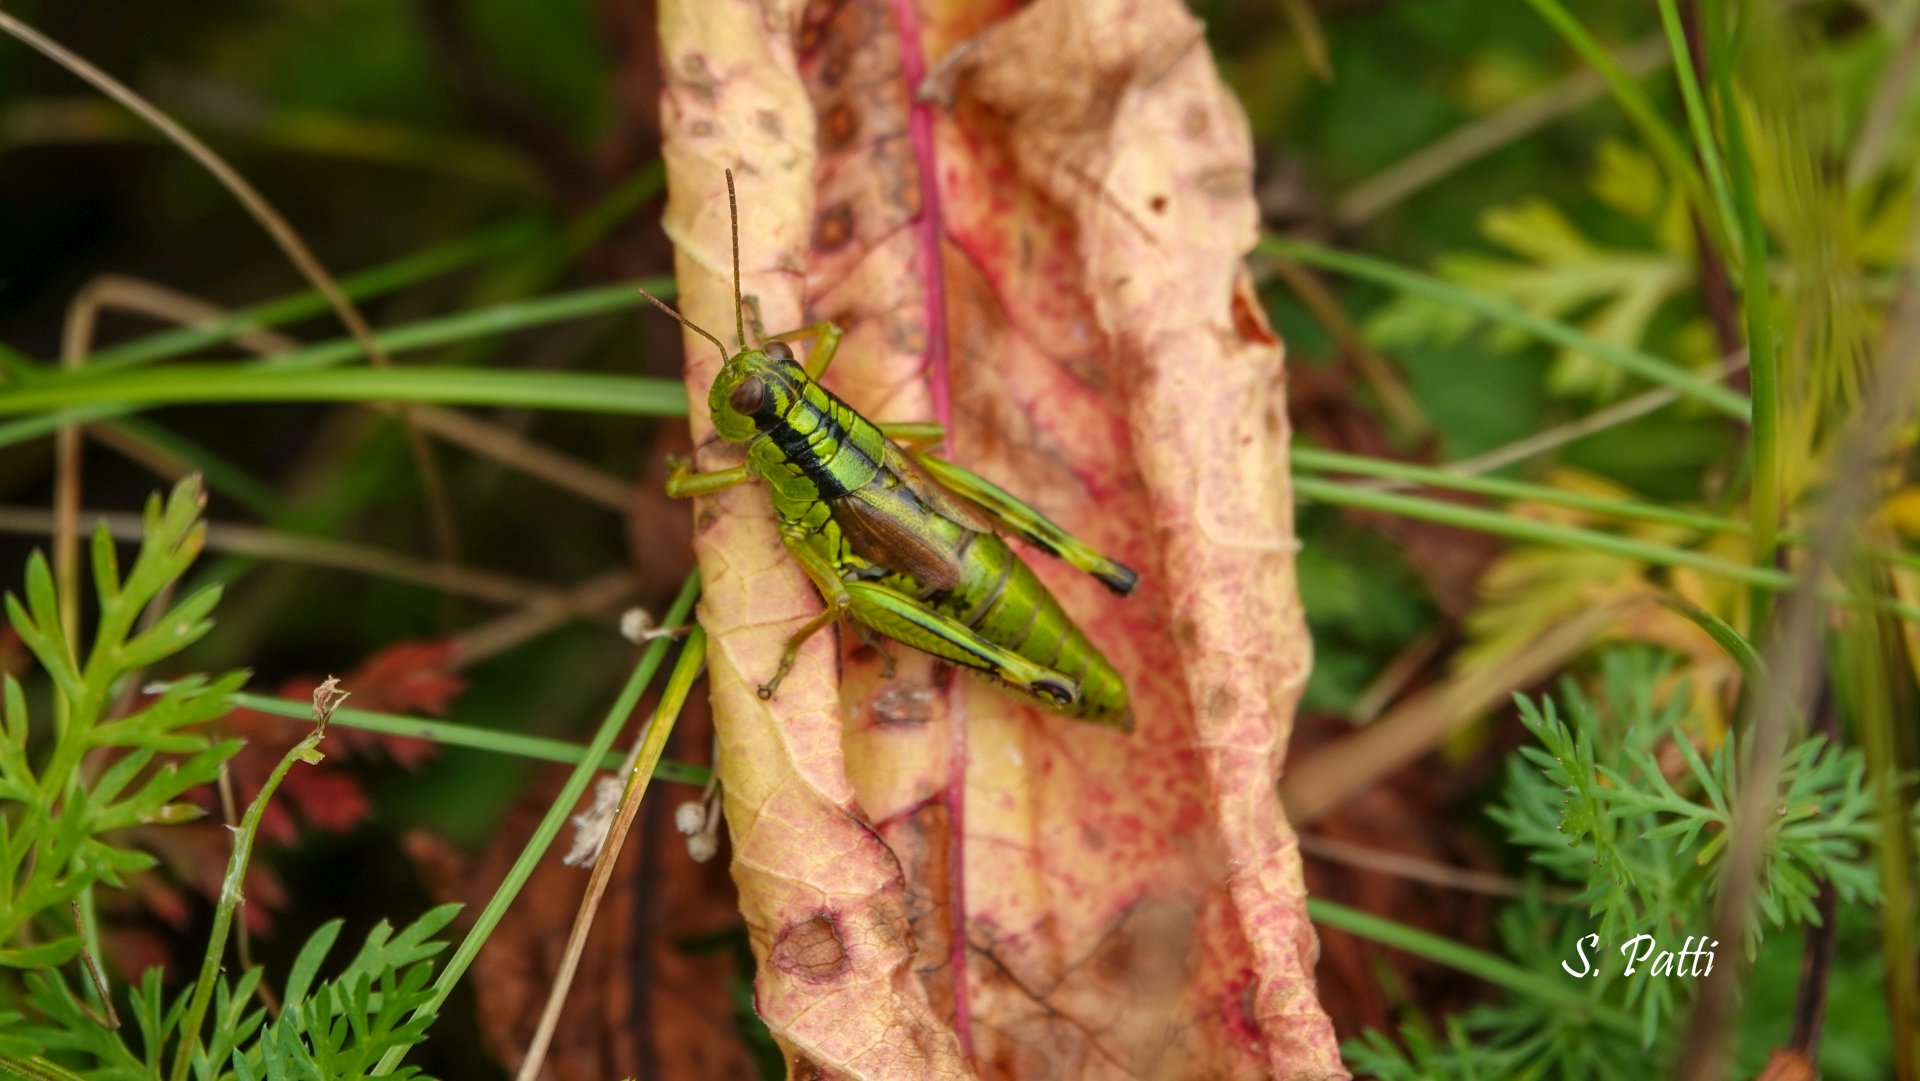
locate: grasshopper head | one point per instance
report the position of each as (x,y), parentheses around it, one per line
(753,389)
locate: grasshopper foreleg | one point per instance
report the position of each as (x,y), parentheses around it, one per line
(683,482)
(832,590)
(826,340)
(916,436)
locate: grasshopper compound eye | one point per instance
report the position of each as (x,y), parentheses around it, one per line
(749,396)
(779,351)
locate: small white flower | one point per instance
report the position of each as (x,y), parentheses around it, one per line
(591,825)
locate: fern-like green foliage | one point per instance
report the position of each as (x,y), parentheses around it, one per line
(68,785)
(1622,815)
(331,1030)
(1619,806)
(54,824)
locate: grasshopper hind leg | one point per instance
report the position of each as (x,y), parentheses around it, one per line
(912,623)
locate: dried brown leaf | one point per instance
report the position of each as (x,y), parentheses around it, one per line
(1133,903)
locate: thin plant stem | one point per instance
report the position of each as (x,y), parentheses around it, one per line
(1395,399)
(496,442)
(550,825)
(1646,365)
(590,597)
(1600,420)
(1327,461)
(232,889)
(1415,869)
(640,766)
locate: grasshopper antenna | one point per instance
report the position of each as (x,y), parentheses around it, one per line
(688,323)
(733,216)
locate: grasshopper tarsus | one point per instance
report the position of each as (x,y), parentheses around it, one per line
(874,642)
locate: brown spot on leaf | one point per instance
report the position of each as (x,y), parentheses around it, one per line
(700,129)
(705,519)
(838,63)
(1147,950)
(1159,204)
(908,333)
(811,949)
(834,228)
(769,122)
(1275,419)
(1186,632)
(1194,121)
(839,127)
(811,30)
(698,76)
(1221,702)
(903,706)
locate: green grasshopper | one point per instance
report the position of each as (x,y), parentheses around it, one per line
(904,543)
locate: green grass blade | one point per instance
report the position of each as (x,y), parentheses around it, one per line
(377,281)
(422,335)
(1526,529)
(22,431)
(1753,669)
(601,218)
(1764,503)
(556,817)
(1652,368)
(471,737)
(1700,121)
(486,322)
(204,384)
(1319,460)
(1660,136)
(1477,963)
